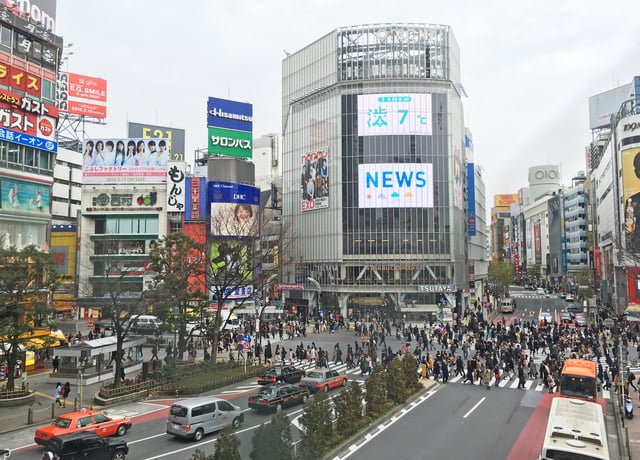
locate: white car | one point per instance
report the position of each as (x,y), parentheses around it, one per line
(545,316)
(540,291)
(569,298)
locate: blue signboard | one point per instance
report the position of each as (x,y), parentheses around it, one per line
(222,113)
(247,338)
(471,175)
(30,141)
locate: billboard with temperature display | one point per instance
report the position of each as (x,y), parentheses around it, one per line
(394,114)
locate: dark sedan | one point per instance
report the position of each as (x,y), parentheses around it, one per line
(278,396)
(286,374)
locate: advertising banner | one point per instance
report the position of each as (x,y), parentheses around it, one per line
(20,79)
(26,197)
(394,114)
(176,188)
(537,241)
(234,209)
(505,200)
(145,200)
(174,135)
(42,12)
(231,143)
(471,187)
(597,263)
(234,257)
(125,161)
(458,177)
(395,185)
(28,140)
(631,195)
(197,232)
(195,206)
(82,95)
(222,113)
(315,181)
(633,287)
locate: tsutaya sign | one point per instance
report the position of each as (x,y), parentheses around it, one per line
(437,288)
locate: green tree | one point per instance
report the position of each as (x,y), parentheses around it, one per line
(317,422)
(227,446)
(199,455)
(534,272)
(27,279)
(396,383)
(348,409)
(410,371)
(272,441)
(502,274)
(376,391)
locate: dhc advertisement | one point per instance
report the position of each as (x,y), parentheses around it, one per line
(395,185)
(234,209)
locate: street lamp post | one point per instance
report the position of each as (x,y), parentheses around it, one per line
(262,307)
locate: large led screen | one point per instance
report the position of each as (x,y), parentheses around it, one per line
(395,185)
(394,114)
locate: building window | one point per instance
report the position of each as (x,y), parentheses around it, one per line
(5,37)
(13,153)
(48,91)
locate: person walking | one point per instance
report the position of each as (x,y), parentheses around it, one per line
(154,352)
(57,393)
(66,390)
(55,363)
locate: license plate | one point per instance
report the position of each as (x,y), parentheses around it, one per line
(176,426)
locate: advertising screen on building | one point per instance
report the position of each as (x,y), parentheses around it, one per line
(235,257)
(314,181)
(631,195)
(125,161)
(230,143)
(222,113)
(82,95)
(395,185)
(471,190)
(505,200)
(174,135)
(234,209)
(26,197)
(394,114)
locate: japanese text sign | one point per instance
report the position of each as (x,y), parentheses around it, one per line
(394,114)
(230,143)
(176,186)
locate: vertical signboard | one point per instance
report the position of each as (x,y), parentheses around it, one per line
(176,186)
(631,194)
(196,204)
(230,128)
(198,232)
(471,190)
(537,241)
(315,180)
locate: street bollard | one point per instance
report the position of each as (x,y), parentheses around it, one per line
(30,416)
(75,403)
(53,410)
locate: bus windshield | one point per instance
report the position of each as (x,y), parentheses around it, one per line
(578,379)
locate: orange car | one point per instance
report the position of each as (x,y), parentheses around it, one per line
(82,420)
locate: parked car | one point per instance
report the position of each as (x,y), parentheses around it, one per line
(281,373)
(85,445)
(323,380)
(193,418)
(82,420)
(277,396)
(580,320)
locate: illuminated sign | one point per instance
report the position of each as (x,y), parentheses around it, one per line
(222,113)
(395,185)
(315,181)
(234,209)
(394,114)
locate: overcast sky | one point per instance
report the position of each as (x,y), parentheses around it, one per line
(528,67)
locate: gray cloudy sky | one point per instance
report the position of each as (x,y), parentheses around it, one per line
(528,67)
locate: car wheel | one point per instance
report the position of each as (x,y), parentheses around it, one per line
(198,434)
(122,430)
(118,455)
(236,422)
(279,408)
(326,388)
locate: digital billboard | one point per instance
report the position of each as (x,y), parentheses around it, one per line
(631,195)
(394,114)
(82,95)
(125,161)
(175,135)
(314,181)
(234,257)
(229,142)
(226,114)
(26,197)
(234,209)
(395,185)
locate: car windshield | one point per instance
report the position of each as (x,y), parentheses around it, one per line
(315,375)
(273,371)
(61,422)
(178,411)
(266,392)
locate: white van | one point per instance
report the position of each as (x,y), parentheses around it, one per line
(507,305)
(145,324)
(195,417)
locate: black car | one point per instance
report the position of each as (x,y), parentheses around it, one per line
(278,396)
(5,454)
(85,445)
(286,374)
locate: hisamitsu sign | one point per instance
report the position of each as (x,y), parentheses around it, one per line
(222,113)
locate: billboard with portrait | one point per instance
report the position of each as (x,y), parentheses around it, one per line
(395,185)
(394,114)
(631,195)
(314,180)
(125,161)
(174,135)
(82,95)
(234,209)
(25,197)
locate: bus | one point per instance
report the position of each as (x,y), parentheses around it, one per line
(507,305)
(575,431)
(578,379)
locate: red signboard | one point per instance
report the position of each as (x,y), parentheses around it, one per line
(633,283)
(87,109)
(88,88)
(597,261)
(82,95)
(195,198)
(20,79)
(197,232)
(27,104)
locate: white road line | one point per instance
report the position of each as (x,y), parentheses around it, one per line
(475,407)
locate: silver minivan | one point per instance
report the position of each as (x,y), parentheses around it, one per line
(195,417)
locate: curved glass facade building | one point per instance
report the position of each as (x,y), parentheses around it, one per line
(374,171)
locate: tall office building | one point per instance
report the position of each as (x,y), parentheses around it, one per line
(374,170)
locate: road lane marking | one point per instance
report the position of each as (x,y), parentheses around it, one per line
(475,407)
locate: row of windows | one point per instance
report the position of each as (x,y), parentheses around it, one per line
(126,225)
(34,51)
